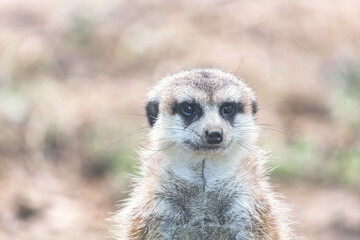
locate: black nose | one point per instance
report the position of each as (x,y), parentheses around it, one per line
(214,137)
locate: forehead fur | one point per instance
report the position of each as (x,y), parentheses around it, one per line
(206,86)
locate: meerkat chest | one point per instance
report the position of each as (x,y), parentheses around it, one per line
(203,203)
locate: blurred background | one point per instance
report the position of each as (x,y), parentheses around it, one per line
(73,79)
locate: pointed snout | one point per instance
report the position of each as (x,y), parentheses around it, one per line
(213,133)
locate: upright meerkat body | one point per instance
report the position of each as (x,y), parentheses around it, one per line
(202,177)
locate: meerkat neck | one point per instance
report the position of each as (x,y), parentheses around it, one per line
(205,169)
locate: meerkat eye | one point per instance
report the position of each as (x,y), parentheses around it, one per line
(228,109)
(188,109)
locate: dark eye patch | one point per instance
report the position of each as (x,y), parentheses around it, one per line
(254,107)
(189,111)
(152,112)
(228,110)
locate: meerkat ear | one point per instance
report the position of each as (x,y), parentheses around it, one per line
(152,112)
(254,107)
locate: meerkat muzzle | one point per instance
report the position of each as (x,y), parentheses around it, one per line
(214,136)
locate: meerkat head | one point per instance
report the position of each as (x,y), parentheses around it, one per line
(202,111)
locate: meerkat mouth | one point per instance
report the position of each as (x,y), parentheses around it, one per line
(206,148)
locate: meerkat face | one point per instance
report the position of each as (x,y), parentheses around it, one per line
(202,111)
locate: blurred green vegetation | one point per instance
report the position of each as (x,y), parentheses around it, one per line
(303,159)
(345,98)
(81,29)
(121,158)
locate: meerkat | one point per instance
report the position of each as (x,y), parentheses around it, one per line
(202,177)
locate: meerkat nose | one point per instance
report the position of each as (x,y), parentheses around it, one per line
(214,136)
